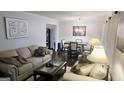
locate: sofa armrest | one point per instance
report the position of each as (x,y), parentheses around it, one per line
(51,51)
(9,69)
(80,58)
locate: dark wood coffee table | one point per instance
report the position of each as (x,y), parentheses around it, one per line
(51,73)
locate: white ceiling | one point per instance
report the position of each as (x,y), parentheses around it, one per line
(71,15)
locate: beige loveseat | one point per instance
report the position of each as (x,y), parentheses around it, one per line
(91,72)
(70,76)
(26,69)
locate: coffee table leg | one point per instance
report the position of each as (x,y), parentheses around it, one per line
(35,76)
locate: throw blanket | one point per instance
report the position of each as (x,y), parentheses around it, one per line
(10,60)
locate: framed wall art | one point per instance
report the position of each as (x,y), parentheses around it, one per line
(16,28)
(79,30)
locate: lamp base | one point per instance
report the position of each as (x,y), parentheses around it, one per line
(108,77)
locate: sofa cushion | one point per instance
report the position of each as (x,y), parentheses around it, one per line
(99,71)
(24,52)
(50,51)
(9,53)
(36,61)
(24,68)
(46,57)
(10,60)
(86,69)
(33,48)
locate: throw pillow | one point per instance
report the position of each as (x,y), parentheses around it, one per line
(46,50)
(99,71)
(39,52)
(10,60)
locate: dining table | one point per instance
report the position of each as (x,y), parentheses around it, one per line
(80,47)
(79,43)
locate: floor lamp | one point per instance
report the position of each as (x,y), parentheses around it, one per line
(98,55)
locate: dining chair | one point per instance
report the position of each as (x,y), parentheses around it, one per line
(80,46)
(87,49)
(73,52)
(64,46)
(64,49)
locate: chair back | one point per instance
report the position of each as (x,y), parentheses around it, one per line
(62,42)
(73,46)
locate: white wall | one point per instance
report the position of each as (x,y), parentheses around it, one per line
(94,27)
(36,27)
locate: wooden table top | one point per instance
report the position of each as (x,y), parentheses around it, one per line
(80,43)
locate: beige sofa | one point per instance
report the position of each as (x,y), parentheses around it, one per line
(26,70)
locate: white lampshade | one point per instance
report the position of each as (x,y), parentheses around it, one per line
(98,55)
(95,42)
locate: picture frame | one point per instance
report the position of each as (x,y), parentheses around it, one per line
(79,30)
(16,28)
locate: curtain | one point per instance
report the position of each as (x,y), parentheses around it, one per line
(110,39)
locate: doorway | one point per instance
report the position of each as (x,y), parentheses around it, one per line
(50,36)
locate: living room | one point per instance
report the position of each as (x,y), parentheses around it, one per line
(41,27)
(95,23)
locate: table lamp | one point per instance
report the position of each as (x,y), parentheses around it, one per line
(94,42)
(98,55)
